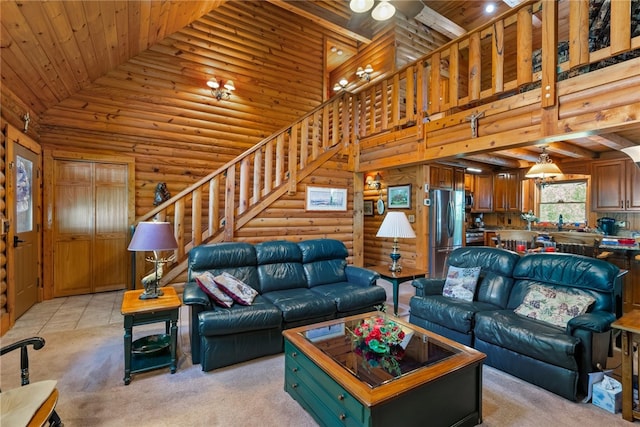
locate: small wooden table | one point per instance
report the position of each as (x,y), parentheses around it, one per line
(142,312)
(396,278)
(629,324)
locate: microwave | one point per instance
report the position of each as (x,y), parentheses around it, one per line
(468,199)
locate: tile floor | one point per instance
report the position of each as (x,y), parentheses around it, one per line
(68,313)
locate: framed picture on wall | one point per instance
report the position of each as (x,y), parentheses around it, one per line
(326,199)
(367,209)
(399,196)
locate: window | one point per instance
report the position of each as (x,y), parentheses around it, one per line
(567,198)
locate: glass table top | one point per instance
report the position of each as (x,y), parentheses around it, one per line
(377,348)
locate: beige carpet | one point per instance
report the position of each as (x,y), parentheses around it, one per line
(88,364)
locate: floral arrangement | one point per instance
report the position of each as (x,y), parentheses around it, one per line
(379,334)
(378,341)
(529,216)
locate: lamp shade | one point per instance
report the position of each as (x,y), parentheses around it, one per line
(360,6)
(153,236)
(633,152)
(396,225)
(383,11)
(543,170)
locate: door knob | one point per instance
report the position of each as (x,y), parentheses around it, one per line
(16,240)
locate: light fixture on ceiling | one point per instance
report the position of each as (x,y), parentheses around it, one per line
(383,10)
(544,171)
(364,73)
(634,153)
(341,84)
(490,8)
(360,6)
(220,90)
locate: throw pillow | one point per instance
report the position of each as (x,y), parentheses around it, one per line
(461,282)
(208,284)
(553,306)
(236,288)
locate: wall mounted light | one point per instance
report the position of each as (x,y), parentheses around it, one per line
(373,182)
(341,84)
(364,73)
(544,171)
(219,90)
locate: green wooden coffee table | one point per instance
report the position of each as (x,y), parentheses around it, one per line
(437,382)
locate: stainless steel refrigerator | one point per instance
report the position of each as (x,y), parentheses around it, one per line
(446,218)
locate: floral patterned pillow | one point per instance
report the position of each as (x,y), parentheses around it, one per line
(207,283)
(236,288)
(461,282)
(553,306)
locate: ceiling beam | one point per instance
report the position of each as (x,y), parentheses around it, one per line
(519,153)
(571,150)
(612,140)
(439,23)
(327,19)
(498,161)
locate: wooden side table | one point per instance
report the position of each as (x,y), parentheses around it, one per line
(142,312)
(629,324)
(396,278)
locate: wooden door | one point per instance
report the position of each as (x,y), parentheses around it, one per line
(25,175)
(91,212)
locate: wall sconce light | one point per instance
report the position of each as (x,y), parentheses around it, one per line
(220,91)
(374,182)
(341,84)
(364,73)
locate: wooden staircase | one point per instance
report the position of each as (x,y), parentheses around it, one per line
(410,116)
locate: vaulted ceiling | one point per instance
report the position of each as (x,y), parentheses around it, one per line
(52,50)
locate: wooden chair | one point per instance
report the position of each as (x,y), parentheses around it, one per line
(587,244)
(32,404)
(511,239)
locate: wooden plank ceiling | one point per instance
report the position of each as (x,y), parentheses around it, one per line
(52,50)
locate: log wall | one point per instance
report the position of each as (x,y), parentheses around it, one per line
(157,107)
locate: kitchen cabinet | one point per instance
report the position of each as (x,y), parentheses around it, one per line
(441,176)
(468,182)
(488,238)
(483,193)
(506,192)
(616,186)
(528,195)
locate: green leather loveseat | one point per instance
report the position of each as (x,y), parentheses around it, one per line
(297,283)
(557,357)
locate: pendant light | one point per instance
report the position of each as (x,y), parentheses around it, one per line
(544,170)
(383,11)
(360,6)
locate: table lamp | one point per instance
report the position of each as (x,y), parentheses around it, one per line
(153,236)
(396,226)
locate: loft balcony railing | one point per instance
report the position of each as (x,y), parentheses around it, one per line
(492,61)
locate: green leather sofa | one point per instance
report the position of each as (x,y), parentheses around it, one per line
(298,283)
(555,358)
